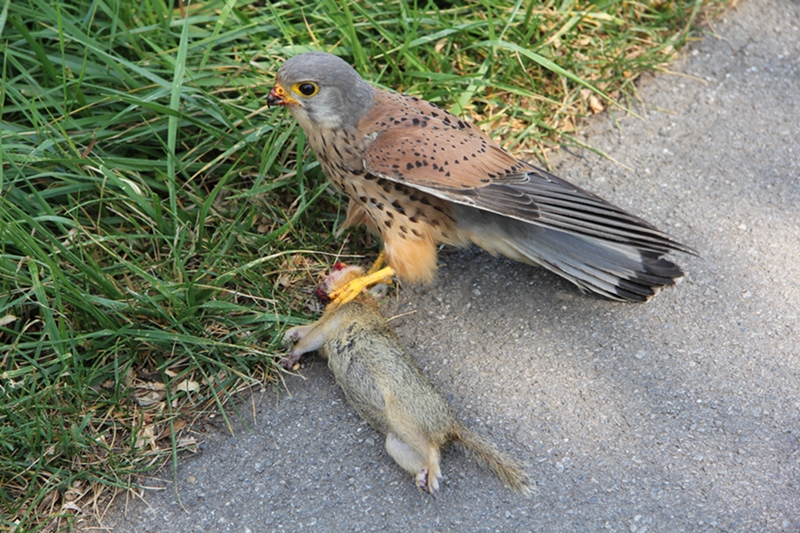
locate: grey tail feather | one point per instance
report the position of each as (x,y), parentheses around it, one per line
(616,270)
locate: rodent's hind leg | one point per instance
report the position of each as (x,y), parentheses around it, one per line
(423,465)
(407,457)
(422,480)
(434,472)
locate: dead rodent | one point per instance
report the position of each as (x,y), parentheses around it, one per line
(387,388)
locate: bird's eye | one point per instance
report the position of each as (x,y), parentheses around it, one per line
(307,88)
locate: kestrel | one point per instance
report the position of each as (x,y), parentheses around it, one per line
(421,176)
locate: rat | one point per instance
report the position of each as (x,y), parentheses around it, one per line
(387,388)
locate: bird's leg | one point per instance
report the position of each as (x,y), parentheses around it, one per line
(353,288)
(376,266)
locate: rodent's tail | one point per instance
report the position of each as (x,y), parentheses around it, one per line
(509,470)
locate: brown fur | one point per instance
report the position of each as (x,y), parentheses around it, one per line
(384,384)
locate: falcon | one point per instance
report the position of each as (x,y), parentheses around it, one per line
(420,176)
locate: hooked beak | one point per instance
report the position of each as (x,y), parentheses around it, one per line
(279,96)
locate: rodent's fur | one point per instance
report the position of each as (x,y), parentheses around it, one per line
(384,384)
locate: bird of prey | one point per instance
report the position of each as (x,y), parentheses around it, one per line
(421,176)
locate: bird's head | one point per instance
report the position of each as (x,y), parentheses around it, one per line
(321,91)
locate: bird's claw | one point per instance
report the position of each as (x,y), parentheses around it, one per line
(353,288)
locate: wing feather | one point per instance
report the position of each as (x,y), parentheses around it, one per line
(433,151)
(490,179)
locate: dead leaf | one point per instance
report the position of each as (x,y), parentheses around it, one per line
(152,385)
(187,442)
(69,506)
(149,398)
(188,385)
(147,435)
(50,499)
(595,104)
(74,492)
(128,377)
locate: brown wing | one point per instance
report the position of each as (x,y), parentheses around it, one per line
(456,162)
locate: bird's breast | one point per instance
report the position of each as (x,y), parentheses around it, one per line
(339,154)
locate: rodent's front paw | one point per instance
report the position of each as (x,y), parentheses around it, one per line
(290,360)
(291,337)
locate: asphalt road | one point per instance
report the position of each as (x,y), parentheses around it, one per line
(677,415)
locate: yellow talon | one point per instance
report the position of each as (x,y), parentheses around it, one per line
(353,288)
(378,263)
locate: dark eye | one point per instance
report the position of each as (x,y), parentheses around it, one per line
(307,88)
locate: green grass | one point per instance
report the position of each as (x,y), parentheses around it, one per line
(159,228)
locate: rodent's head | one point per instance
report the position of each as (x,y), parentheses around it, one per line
(340,275)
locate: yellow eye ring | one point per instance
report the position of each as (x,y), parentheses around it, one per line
(305,88)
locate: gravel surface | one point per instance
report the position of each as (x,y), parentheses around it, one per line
(677,415)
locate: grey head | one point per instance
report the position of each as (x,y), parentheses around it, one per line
(322,91)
